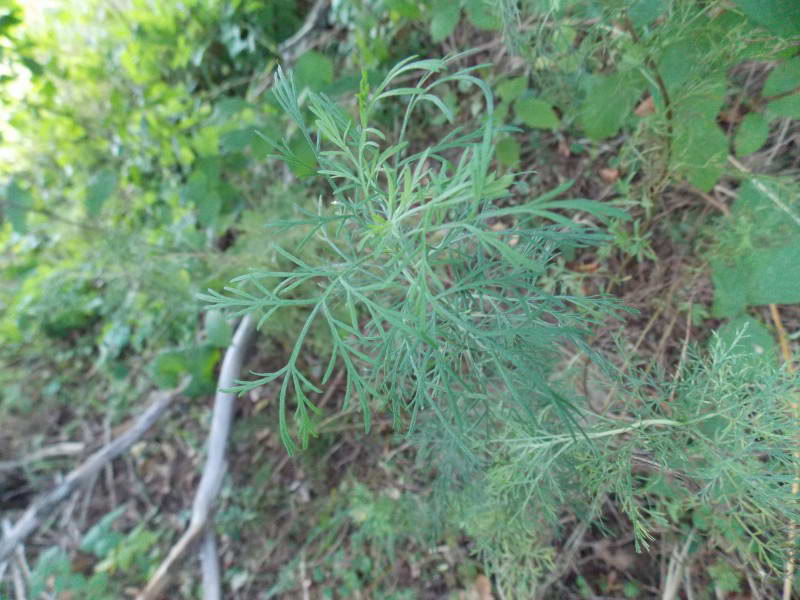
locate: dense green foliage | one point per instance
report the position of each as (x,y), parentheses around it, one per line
(436,270)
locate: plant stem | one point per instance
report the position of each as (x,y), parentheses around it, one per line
(560,439)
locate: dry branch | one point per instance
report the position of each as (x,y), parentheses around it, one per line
(209,565)
(211,480)
(61,449)
(44,506)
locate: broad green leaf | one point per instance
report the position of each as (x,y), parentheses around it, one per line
(536,113)
(759,277)
(508,151)
(644,12)
(783,78)
(407,9)
(785,107)
(681,61)
(763,265)
(230,197)
(201,190)
(208,208)
(781,17)
(236,140)
(774,275)
(18,202)
(511,89)
(753,340)
(202,361)
(226,108)
(314,70)
(100,189)
(699,147)
(609,101)
(501,112)
(168,367)
(218,331)
(751,134)
(730,293)
(703,102)
(444,18)
(195,187)
(699,152)
(483,14)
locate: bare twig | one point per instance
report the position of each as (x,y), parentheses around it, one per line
(20,571)
(44,506)
(62,449)
(677,564)
(16,579)
(209,565)
(292,48)
(213,472)
(720,206)
(305,582)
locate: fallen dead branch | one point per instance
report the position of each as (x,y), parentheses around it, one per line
(44,506)
(211,480)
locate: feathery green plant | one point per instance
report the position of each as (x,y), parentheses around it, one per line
(429,287)
(711,453)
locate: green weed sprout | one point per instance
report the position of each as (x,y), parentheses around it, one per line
(429,305)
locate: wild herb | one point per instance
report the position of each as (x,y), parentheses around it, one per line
(429,286)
